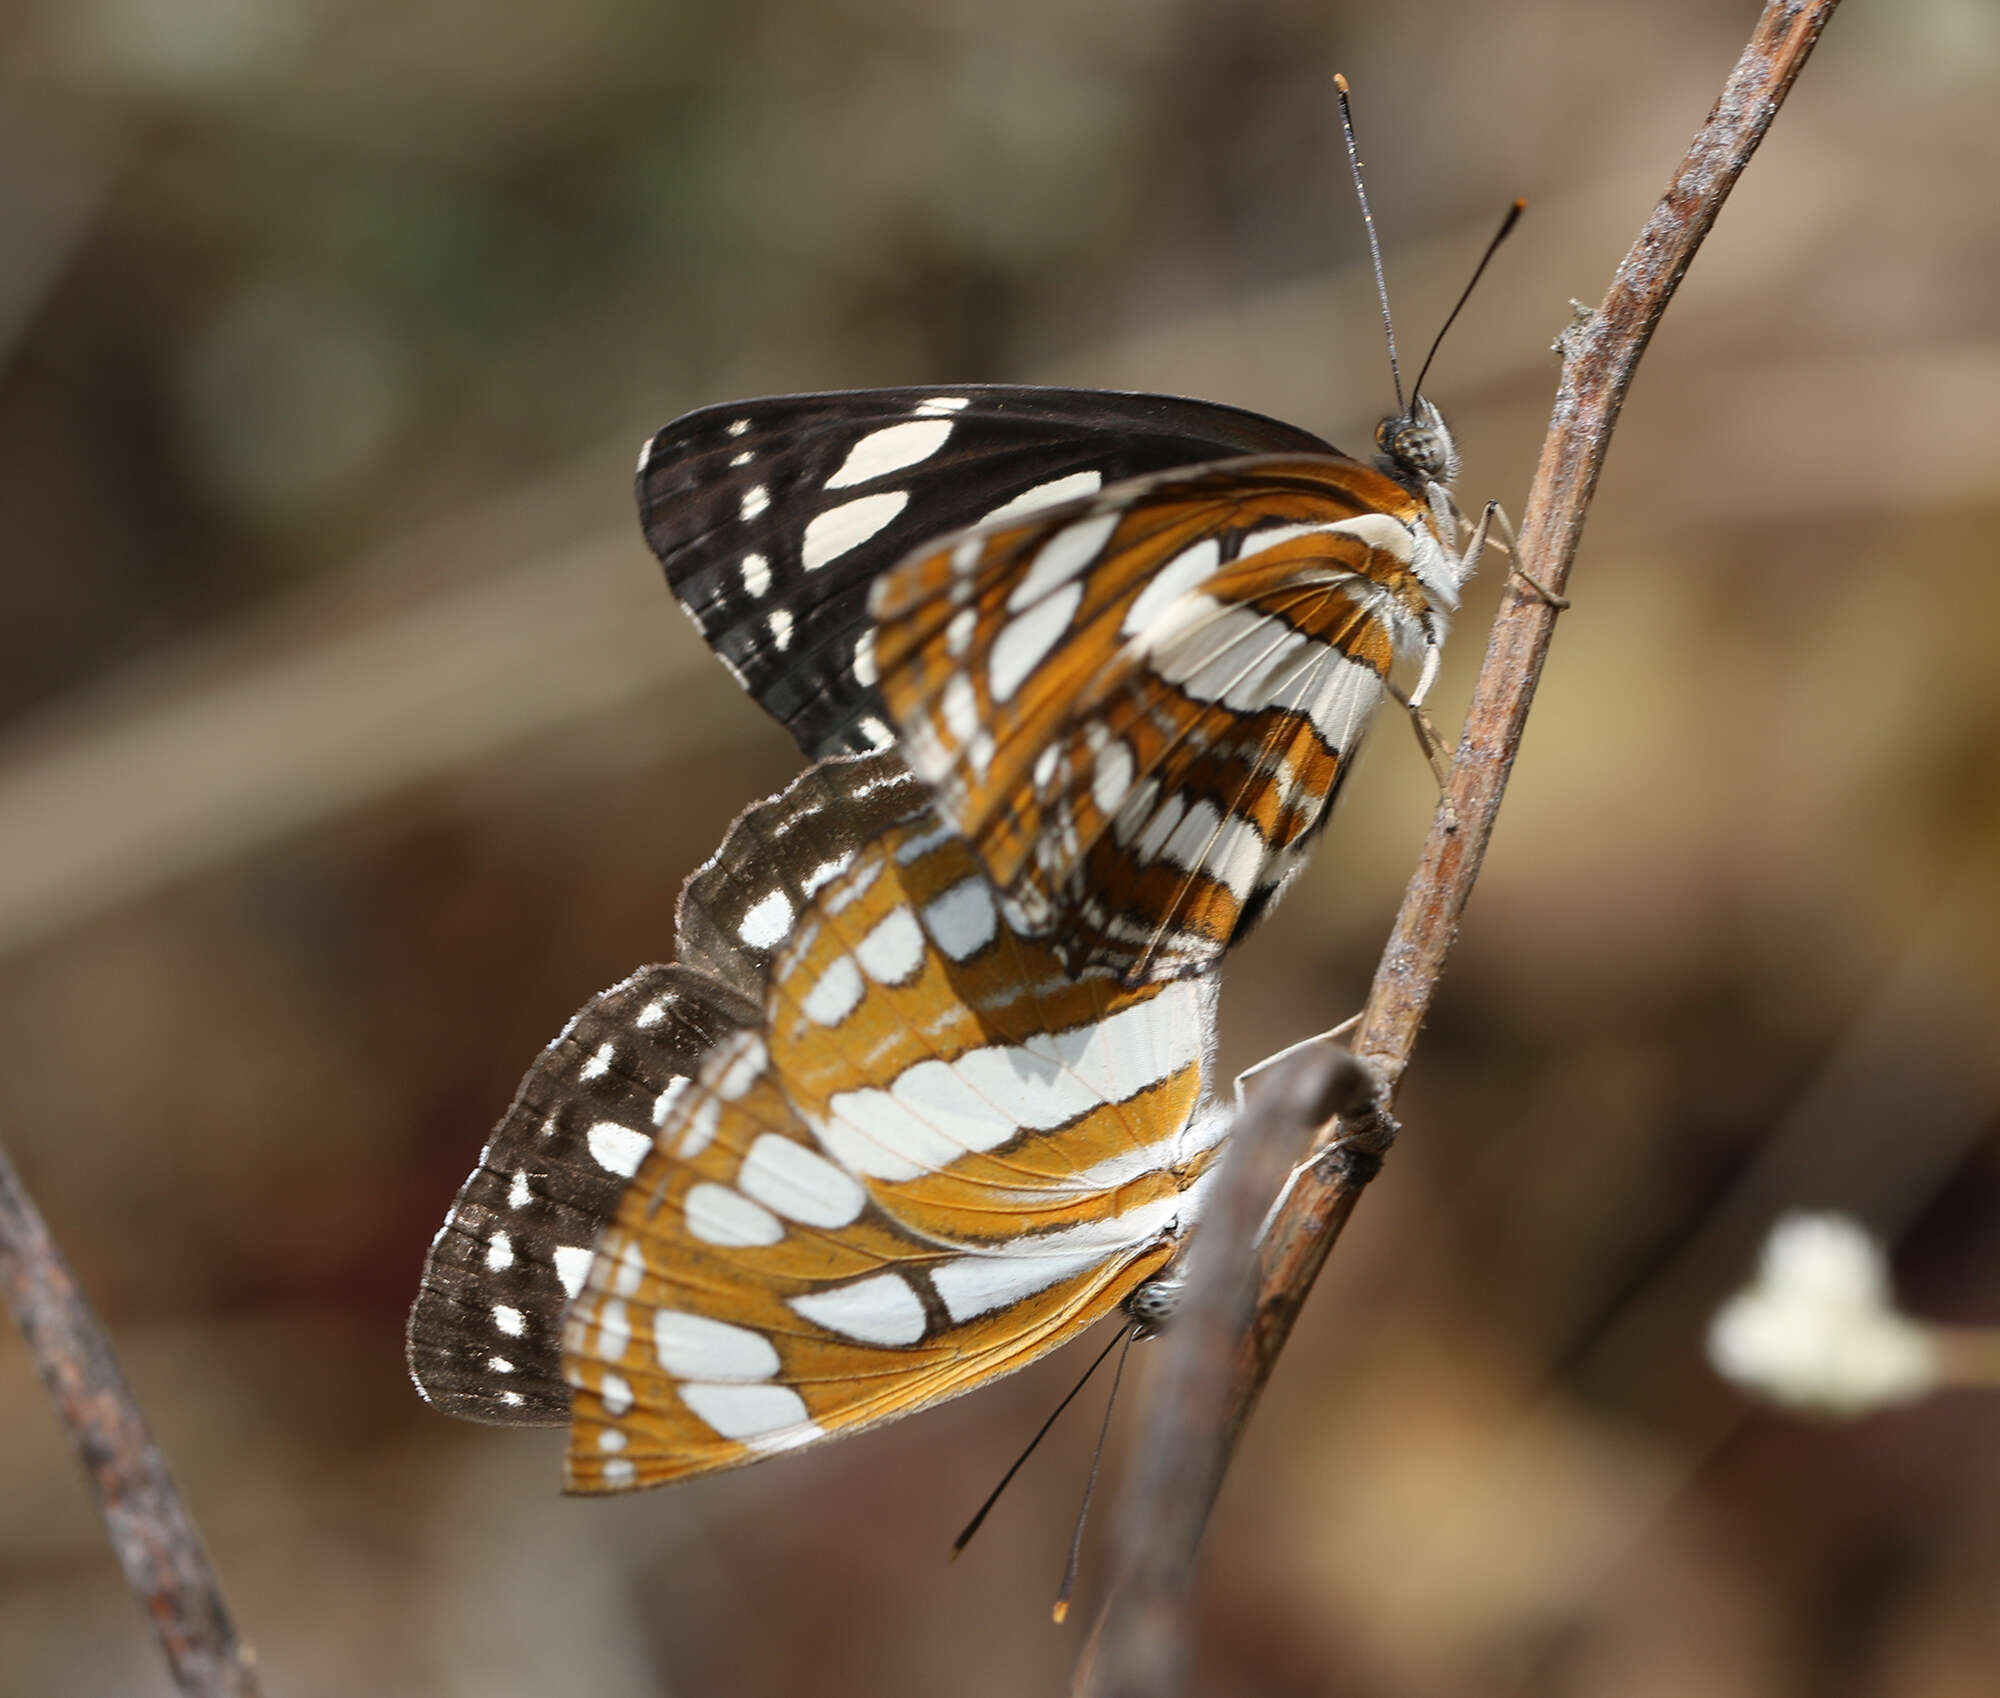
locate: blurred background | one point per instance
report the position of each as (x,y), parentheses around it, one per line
(351,741)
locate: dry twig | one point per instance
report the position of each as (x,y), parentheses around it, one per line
(1600,353)
(1175,1474)
(150,1529)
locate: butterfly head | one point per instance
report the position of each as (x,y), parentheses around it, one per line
(1418,447)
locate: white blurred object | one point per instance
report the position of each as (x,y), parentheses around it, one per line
(1817,1331)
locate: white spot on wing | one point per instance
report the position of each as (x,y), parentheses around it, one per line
(572,1267)
(799,1183)
(890,449)
(600,1062)
(618,1149)
(616,1393)
(893,950)
(1064,555)
(499,1253)
(1111,777)
(961,708)
(963,920)
(942,405)
(780,627)
(756,575)
(766,921)
(1190,567)
(718,1215)
(864,657)
(1027,639)
(833,533)
(755,500)
(837,993)
(879,1310)
(976,1285)
(697,1347)
(519,1195)
(1070,487)
(748,1412)
(509,1320)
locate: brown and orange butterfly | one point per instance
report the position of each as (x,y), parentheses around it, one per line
(1132,641)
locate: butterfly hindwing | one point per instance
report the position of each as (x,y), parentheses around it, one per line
(938,1157)
(483,1337)
(772,517)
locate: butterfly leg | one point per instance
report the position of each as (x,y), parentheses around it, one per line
(1427,737)
(1496,515)
(1361,1104)
(1354,1093)
(1332,1035)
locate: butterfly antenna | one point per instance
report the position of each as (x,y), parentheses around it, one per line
(1374,245)
(993,1497)
(1506,229)
(1061,1610)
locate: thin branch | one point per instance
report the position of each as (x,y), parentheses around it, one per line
(150,1529)
(1141,1643)
(1600,354)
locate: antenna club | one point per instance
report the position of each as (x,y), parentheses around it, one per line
(1340,83)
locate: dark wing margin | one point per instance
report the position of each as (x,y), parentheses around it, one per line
(772,517)
(485,1333)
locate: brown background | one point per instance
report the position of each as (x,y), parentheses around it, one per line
(351,741)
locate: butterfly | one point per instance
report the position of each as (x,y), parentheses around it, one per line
(862,1148)
(1131,641)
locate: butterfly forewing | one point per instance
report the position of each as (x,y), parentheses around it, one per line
(484,1333)
(1138,706)
(772,517)
(939,1157)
